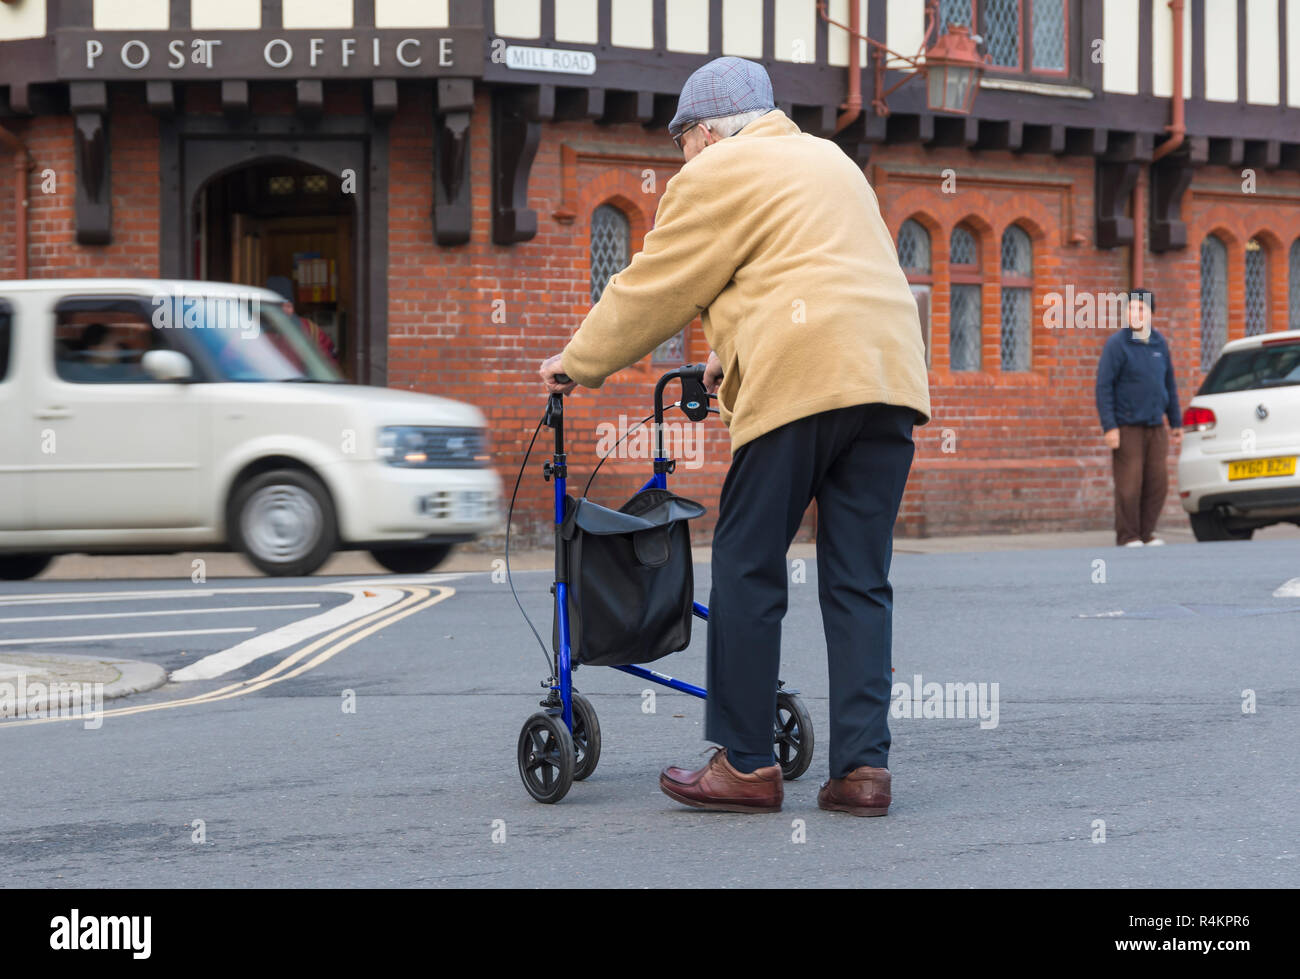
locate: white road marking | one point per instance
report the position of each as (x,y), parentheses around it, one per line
(170,611)
(364,602)
(1289,589)
(124,635)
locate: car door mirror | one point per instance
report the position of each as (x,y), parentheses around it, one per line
(167,365)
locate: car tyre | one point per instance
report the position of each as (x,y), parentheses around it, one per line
(1210,526)
(284,522)
(20,567)
(411,560)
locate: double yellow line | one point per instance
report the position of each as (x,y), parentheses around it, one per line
(325,647)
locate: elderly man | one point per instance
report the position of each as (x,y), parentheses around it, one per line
(775,238)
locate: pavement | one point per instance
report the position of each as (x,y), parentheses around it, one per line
(1147,711)
(35,683)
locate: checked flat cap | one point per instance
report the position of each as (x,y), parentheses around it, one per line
(724,87)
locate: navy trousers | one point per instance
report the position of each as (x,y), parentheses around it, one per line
(854,462)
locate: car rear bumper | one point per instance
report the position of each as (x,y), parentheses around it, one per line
(1203,485)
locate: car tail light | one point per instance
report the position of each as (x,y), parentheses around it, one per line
(1198,419)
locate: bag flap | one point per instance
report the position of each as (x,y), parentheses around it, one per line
(657,508)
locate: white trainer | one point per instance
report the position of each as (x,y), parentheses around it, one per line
(1134,543)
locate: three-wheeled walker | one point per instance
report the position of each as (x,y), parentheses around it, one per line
(560,744)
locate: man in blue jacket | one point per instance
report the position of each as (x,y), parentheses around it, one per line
(1136,392)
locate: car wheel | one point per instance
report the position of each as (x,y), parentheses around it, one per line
(283,522)
(412,560)
(20,567)
(1210,526)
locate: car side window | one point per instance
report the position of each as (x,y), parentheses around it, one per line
(104,343)
(6,339)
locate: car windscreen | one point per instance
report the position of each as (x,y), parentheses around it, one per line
(1272,365)
(257,341)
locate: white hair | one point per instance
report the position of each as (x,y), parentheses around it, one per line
(725,126)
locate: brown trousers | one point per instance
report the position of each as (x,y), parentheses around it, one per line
(1141,480)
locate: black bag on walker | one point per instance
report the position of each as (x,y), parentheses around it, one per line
(631,580)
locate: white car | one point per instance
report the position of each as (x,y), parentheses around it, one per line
(1241,439)
(143,416)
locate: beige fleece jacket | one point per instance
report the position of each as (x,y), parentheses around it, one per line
(775,238)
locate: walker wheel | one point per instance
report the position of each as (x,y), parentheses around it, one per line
(792,736)
(586,737)
(546,757)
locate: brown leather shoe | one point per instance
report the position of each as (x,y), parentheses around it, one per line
(864,791)
(720,787)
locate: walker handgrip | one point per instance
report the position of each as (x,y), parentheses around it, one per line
(563,379)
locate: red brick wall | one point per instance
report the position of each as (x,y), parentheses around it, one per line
(473,322)
(51,231)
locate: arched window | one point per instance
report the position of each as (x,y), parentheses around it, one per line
(914,257)
(1256,289)
(1294,274)
(611,246)
(1017,298)
(1214,299)
(965,301)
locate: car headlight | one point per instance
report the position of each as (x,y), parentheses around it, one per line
(421,447)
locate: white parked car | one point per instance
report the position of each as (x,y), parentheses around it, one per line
(1241,439)
(141,416)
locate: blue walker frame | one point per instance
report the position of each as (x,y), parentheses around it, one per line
(557,469)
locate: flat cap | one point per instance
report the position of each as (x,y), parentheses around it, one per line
(723,87)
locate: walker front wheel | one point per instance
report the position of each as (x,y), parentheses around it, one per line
(546,757)
(792,736)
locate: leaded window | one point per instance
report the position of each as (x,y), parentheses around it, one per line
(963,250)
(1050,27)
(1214,299)
(1294,275)
(955,12)
(1017,298)
(1008,27)
(1001,29)
(914,247)
(914,257)
(965,311)
(1256,289)
(611,246)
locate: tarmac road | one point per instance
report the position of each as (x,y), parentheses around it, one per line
(1134,719)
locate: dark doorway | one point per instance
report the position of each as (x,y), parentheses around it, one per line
(204,155)
(288,226)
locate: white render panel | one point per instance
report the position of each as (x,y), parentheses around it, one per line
(131,15)
(317,13)
(688,26)
(795,31)
(412,13)
(742,28)
(219,15)
(1220,50)
(837,46)
(632,24)
(518,18)
(1119,66)
(904,26)
(1162,49)
(1263,74)
(575,21)
(26,19)
(1293,52)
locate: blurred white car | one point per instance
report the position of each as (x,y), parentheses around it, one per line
(142,416)
(1241,439)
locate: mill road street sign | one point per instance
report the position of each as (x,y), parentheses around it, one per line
(568,62)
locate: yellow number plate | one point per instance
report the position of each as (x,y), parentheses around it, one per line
(1255,468)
